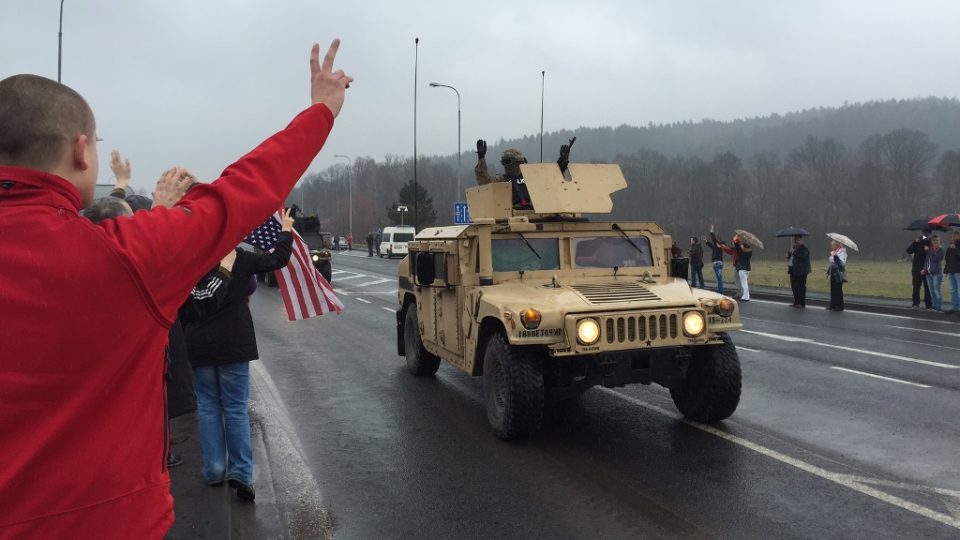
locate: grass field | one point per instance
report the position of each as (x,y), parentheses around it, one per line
(866,278)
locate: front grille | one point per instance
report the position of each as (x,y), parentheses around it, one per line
(641,328)
(616,292)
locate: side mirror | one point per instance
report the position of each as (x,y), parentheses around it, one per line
(425,268)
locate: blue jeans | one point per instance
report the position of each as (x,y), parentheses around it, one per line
(936,297)
(224,421)
(718,273)
(954,291)
(697,275)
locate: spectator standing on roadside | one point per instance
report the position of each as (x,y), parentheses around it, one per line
(719,247)
(377,238)
(369,244)
(696,262)
(836,272)
(349,241)
(742,264)
(952,269)
(933,273)
(221,346)
(918,248)
(798,267)
(82,427)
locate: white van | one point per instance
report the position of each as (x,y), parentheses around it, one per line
(393,242)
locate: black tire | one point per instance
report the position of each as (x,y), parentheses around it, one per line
(513,388)
(711,391)
(420,361)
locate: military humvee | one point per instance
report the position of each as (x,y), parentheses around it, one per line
(545,304)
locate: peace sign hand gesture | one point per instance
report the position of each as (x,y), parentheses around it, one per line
(327,86)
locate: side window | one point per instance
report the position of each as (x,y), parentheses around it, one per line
(439,260)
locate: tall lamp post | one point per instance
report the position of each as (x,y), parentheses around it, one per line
(350,187)
(438,85)
(60,43)
(401,209)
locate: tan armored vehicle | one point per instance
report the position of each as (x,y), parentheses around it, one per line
(545,304)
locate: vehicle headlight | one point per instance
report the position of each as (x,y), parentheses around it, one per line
(588,331)
(725,307)
(693,323)
(530,318)
(316,257)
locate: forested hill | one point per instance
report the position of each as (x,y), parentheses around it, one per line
(864,170)
(850,124)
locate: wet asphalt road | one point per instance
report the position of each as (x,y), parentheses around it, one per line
(820,447)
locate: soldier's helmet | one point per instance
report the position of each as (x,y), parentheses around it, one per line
(512,156)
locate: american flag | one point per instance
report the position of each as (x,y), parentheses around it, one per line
(305,292)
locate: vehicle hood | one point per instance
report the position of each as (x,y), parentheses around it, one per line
(595,295)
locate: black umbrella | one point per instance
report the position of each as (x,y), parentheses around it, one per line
(924,225)
(792,231)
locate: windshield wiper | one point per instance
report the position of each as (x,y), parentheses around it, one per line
(618,229)
(529,246)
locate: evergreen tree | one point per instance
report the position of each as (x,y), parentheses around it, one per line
(409,194)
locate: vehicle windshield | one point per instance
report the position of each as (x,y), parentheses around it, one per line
(513,254)
(402,237)
(610,251)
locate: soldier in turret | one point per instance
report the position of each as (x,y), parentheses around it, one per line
(511,160)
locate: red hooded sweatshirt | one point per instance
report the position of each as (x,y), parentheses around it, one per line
(84,315)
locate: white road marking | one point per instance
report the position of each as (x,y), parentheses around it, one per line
(355,276)
(375,282)
(742,348)
(781,322)
(880,377)
(855,483)
(338,292)
(793,339)
(951,334)
(335,272)
(921,343)
(873,313)
(390,310)
(365,301)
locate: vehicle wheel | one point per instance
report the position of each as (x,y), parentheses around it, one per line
(419,360)
(711,390)
(513,389)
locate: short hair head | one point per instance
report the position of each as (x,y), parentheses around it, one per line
(106,208)
(41,118)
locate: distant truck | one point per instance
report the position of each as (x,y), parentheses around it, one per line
(544,304)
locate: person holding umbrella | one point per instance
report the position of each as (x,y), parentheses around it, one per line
(837,272)
(798,266)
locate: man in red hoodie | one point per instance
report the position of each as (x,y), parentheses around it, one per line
(82,421)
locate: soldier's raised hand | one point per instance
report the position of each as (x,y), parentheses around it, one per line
(327,86)
(481,148)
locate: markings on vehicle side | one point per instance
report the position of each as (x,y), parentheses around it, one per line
(794,339)
(901,381)
(365,301)
(951,334)
(859,484)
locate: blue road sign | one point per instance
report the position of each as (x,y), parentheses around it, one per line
(461,214)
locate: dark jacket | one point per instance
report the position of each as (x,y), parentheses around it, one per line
(801,262)
(696,255)
(919,254)
(744,254)
(227,335)
(952,257)
(934,265)
(717,248)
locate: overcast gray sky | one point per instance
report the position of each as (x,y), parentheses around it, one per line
(197,83)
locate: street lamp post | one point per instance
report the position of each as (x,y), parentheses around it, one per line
(350,187)
(438,85)
(401,208)
(60,43)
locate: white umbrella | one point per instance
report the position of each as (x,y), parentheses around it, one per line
(749,237)
(844,240)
